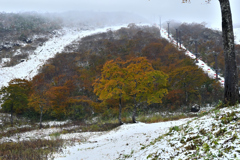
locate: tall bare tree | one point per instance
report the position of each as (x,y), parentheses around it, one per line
(231,92)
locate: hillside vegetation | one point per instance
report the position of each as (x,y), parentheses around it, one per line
(64,86)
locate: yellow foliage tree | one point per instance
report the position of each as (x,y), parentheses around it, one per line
(112,84)
(145,83)
(134,79)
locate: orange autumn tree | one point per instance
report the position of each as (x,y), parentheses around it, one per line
(134,79)
(37,100)
(57,100)
(145,83)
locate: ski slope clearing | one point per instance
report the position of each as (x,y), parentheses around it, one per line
(208,70)
(29,68)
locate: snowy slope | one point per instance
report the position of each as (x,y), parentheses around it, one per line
(211,73)
(214,136)
(29,68)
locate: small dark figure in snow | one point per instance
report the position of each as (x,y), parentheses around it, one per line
(195,108)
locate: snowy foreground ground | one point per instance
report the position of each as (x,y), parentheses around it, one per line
(213,136)
(119,143)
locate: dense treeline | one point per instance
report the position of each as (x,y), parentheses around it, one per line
(64,86)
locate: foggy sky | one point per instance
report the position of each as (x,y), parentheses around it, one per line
(197,11)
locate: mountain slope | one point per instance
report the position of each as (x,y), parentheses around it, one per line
(62,38)
(49,49)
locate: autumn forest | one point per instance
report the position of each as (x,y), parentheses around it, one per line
(130,70)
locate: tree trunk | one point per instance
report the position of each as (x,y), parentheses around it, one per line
(134,114)
(40,124)
(134,110)
(231,93)
(120,112)
(11,119)
(135,105)
(186,94)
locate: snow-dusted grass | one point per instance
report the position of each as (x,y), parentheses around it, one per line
(29,131)
(35,149)
(163,117)
(213,136)
(70,132)
(25,141)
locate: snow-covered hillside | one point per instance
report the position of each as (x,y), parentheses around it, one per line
(29,68)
